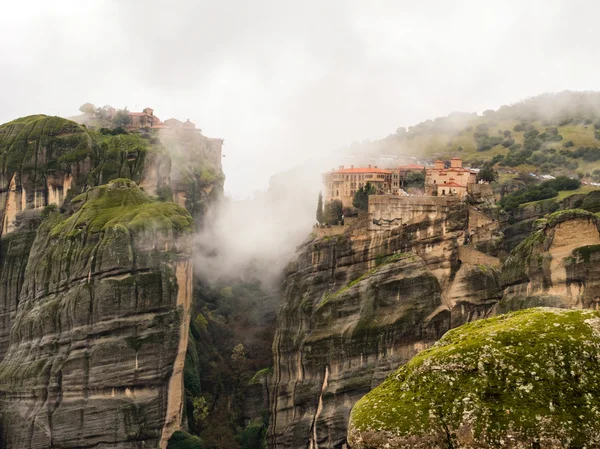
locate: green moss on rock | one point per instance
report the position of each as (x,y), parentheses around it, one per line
(121,203)
(38,143)
(525,379)
(183,440)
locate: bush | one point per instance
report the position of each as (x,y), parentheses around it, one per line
(591,202)
(542,191)
(487,174)
(183,440)
(415,179)
(588,154)
(508,143)
(568,144)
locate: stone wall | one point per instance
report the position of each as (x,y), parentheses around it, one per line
(390,211)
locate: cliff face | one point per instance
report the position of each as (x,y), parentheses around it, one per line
(358,305)
(95,350)
(95,283)
(555,265)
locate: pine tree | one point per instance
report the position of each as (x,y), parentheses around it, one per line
(320,215)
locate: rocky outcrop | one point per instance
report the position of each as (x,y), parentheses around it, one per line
(358,305)
(555,265)
(100,332)
(522,380)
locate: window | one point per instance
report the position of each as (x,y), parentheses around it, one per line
(443,191)
(434,181)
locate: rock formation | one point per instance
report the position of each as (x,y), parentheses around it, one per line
(521,380)
(357,305)
(360,304)
(556,265)
(96,351)
(95,283)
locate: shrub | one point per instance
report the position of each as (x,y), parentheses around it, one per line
(588,154)
(183,440)
(508,142)
(568,144)
(542,191)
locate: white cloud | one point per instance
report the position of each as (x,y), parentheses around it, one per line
(285,82)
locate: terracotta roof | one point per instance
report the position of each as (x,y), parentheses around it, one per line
(450,184)
(159,126)
(362,170)
(411,167)
(137,113)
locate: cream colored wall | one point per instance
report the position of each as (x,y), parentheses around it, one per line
(342,186)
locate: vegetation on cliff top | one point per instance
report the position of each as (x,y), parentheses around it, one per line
(525,379)
(122,203)
(22,139)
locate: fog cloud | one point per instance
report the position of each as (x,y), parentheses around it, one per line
(285,82)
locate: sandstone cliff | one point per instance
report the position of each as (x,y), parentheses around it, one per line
(556,265)
(357,305)
(95,282)
(96,350)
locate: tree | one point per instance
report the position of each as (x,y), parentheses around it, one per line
(415,179)
(487,174)
(87,108)
(239,353)
(320,216)
(333,212)
(361,197)
(122,118)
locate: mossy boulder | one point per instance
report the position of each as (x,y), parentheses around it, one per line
(38,143)
(522,380)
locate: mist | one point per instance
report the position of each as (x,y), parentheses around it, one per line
(285,83)
(253,239)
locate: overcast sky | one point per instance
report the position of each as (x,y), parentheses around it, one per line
(285,81)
